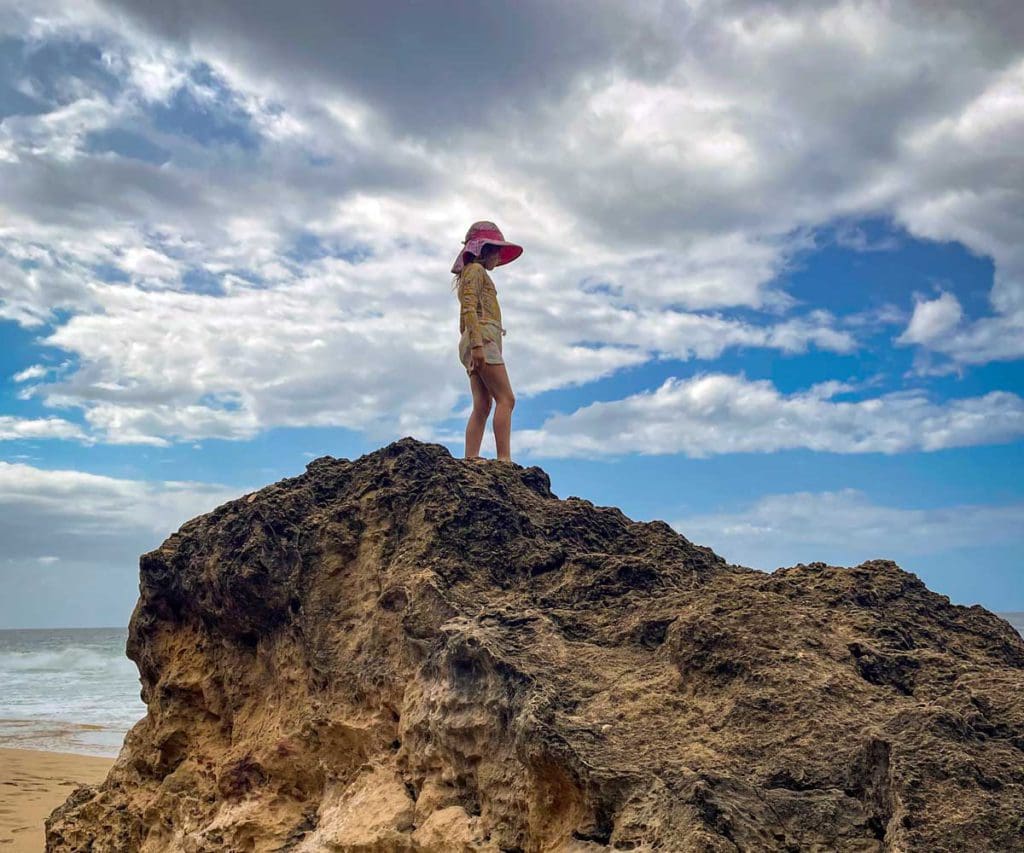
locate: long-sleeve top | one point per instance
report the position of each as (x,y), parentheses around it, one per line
(480,314)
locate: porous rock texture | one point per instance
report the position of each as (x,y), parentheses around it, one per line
(413,652)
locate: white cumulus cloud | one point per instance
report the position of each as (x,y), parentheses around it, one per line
(932,319)
(716,413)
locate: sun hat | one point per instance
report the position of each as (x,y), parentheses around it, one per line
(481,233)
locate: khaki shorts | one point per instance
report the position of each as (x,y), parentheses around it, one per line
(492,352)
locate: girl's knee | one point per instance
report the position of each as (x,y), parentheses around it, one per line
(508,401)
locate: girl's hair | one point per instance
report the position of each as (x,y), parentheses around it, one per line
(458,278)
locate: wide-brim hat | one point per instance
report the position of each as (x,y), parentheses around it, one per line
(480,234)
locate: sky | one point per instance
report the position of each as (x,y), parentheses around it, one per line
(772,287)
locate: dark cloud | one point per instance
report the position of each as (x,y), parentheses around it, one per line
(425,67)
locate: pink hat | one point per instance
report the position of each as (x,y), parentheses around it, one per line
(478,235)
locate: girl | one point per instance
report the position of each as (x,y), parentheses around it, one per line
(480,344)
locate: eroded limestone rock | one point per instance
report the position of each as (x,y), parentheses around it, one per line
(411,652)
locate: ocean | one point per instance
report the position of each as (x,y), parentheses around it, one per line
(67,690)
(73,689)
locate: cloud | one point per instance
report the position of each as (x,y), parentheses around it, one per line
(34,371)
(14,429)
(661,197)
(72,540)
(716,413)
(50,515)
(972,160)
(932,319)
(854,237)
(331,346)
(424,70)
(784,529)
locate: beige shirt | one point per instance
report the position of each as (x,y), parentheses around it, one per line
(480,315)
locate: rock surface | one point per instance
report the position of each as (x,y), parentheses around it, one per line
(412,652)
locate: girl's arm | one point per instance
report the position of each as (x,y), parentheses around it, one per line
(469,296)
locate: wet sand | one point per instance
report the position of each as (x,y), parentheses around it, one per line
(33,784)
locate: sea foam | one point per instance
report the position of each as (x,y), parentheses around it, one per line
(68,690)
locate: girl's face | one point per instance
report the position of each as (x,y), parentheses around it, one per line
(489,256)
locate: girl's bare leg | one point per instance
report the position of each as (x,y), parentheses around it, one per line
(478,417)
(495,377)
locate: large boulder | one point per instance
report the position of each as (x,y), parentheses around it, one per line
(412,652)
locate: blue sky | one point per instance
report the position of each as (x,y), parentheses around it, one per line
(788,319)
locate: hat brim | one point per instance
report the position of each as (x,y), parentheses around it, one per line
(507,252)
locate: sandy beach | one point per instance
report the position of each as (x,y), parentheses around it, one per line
(34,783)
